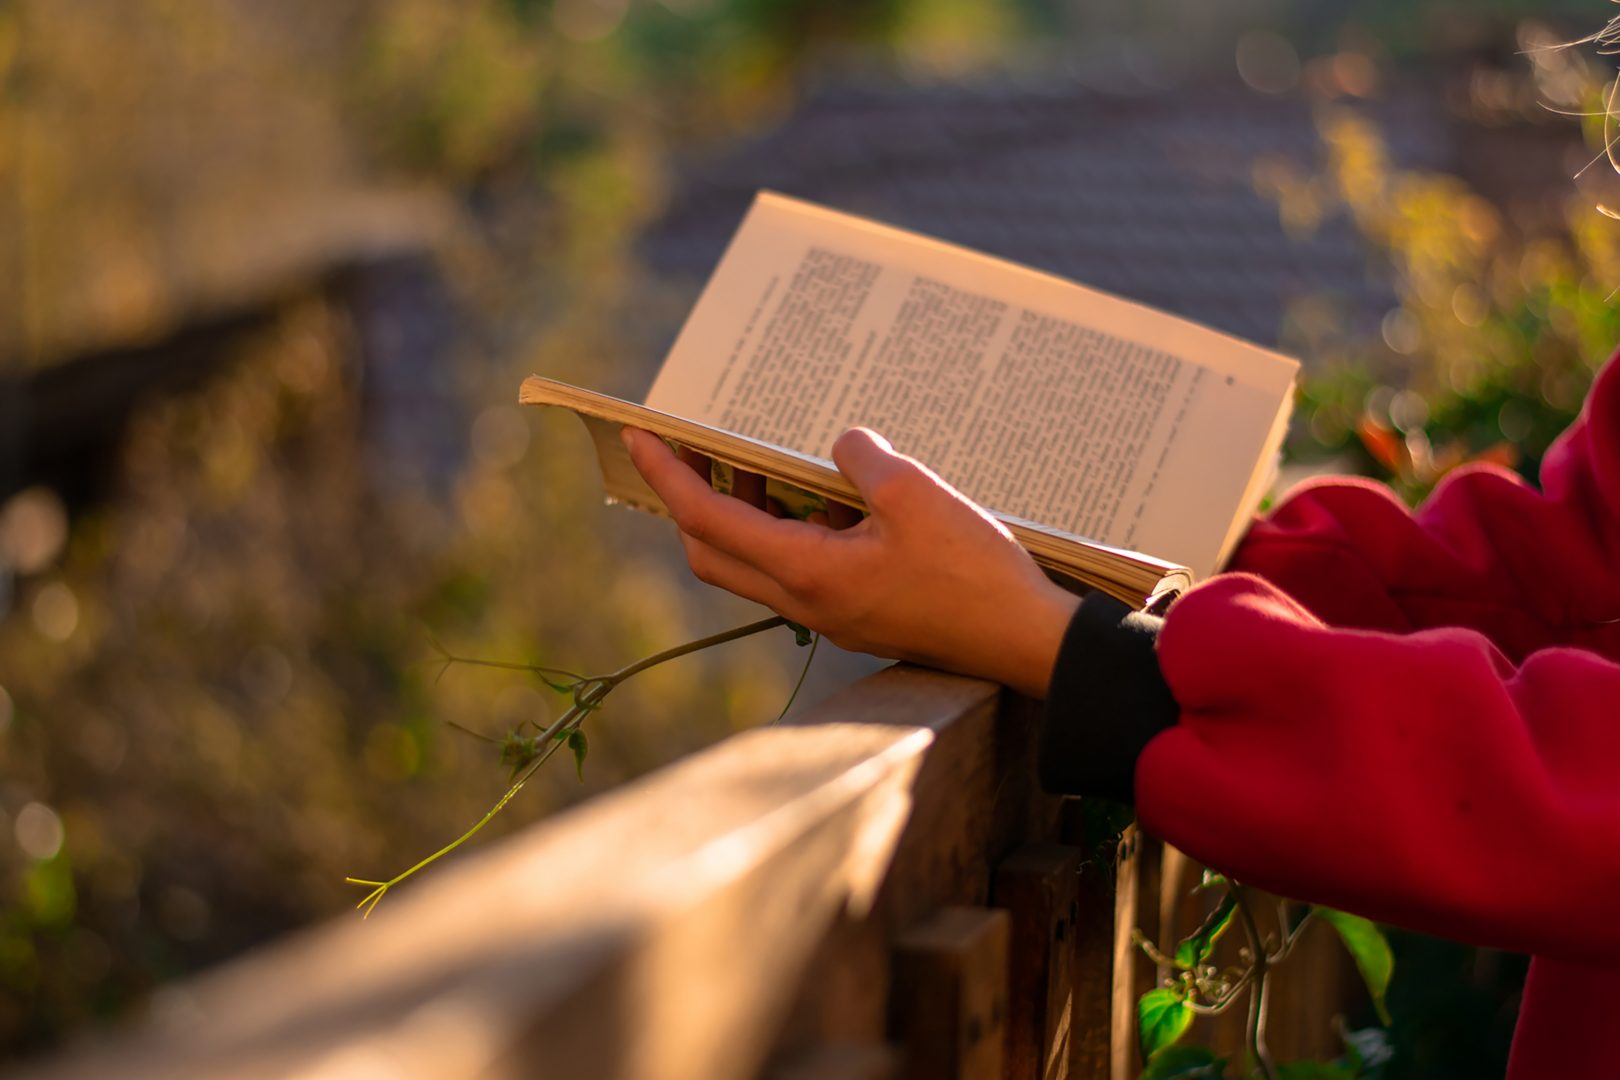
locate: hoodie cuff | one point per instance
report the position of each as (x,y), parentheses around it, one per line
(1107,699)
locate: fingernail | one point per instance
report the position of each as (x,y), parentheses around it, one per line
(624,436)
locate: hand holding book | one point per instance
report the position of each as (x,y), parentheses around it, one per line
(1125,450)
(927,576)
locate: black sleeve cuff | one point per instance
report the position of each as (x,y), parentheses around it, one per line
(1106,700)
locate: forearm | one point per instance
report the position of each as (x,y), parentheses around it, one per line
(1027,652)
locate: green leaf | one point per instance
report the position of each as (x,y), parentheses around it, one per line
(1370,950)
(1162,1017)
(517,751)
(578,744)
(1195,948)
(1185,1063)
(1212,879)
(1315,1070)
(560,687)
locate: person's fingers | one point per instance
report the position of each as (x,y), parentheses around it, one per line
(727,524)
(749,487)
(699,463)
(714,567)
(842,516)
(836,516)
(887,480)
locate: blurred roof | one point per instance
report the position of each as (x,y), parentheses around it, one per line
(1148,194)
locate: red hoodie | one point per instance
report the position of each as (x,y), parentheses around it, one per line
(1414,717)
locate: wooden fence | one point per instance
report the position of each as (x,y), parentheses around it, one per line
(876,891)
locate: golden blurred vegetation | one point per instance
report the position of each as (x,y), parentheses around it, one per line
(1501,320)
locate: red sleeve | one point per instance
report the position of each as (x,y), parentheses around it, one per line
(1420,779)
(1415,717)
(1527,569)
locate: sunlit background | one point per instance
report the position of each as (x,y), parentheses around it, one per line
(270,274)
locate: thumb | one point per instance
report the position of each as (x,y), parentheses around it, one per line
(884,477)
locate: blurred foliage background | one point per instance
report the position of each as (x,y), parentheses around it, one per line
(270,275)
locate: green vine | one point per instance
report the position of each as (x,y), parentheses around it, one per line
(525,754)
(1198,987)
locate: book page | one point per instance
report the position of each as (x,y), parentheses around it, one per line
(1035,396)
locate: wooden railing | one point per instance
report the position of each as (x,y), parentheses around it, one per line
(876,891)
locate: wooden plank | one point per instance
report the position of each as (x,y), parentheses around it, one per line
(968,813)
(1302,1025)
(1039,888)
(975,802)
(660,931)
(1123,1053)
(1091,1039)
(839,1062)
(950,995)
(1087,825)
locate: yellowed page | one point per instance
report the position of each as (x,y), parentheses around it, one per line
(1039,397)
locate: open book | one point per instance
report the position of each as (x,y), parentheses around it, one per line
(1126,449)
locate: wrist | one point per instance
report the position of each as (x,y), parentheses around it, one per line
(1035,637)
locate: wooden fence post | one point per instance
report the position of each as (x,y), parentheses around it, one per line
(950,983)
(1039,887)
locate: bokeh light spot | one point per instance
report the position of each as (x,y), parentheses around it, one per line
(1408,411)
(1514,420)
(1468,303)
(1355,73)
(56,611)
(183,913)
(39,831)
(500,437)
(1402,332)
(33,530)
(1267,62)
